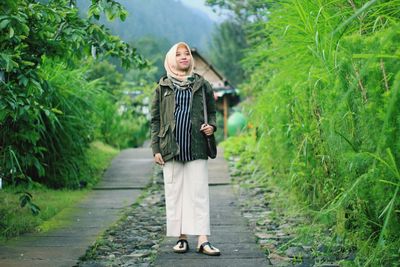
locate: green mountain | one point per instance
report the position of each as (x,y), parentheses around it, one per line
(160,19)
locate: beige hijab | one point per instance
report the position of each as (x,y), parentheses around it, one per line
(170,64)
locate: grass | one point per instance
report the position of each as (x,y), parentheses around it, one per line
(99,157)
(16,220)
(326,228)
(325,102)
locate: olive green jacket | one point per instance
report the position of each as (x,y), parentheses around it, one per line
(163,119)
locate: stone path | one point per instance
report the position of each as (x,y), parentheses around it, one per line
(122,182)
(229,231)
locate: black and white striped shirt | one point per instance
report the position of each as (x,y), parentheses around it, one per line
(183,124)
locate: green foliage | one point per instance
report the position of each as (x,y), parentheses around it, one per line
(16,220)
(244,11)
(227,48)
(219,134)
(153,49)
(324,94)
(26,199)
(160,19)
(111,8)
(67,135)
(44,104)
(118,106)
(244,146)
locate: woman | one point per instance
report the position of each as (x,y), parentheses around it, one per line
(178,144)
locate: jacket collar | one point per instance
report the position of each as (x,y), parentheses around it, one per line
(198,82)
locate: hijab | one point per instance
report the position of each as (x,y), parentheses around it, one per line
(178,77)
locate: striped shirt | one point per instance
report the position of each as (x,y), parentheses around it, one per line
(183,123)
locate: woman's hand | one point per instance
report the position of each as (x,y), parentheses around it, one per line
(158,159)
(207,129)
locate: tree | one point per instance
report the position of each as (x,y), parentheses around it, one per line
(32,32)
(227,49)
(241,30)
(243,11)
(154,49)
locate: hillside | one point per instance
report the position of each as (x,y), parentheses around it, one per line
(168,19)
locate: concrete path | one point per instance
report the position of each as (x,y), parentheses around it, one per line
(122,182)
(229,231)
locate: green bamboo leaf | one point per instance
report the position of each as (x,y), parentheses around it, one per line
(364,8)
(393,161)
(55,110)
(375,56)
(388,210)
(388,182)
(383,162)
(27,63)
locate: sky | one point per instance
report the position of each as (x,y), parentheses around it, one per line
(199,4)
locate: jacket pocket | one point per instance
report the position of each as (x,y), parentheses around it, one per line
(164,139)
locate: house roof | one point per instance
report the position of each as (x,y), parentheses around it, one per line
(205,69)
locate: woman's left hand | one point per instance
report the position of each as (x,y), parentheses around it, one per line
(207,129)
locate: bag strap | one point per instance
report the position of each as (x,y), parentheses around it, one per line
(204,107)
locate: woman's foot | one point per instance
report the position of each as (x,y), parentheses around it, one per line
(181,246)
(208,249)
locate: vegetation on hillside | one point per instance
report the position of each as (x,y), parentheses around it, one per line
(164,19)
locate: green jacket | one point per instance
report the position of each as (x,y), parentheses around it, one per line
(163,119)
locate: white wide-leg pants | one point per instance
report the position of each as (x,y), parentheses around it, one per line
(187,197)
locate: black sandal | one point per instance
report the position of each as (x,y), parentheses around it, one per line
(214,252)
(182,243)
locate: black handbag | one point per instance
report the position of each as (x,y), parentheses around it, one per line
(210,139)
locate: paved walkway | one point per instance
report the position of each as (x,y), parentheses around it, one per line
(229,231)
(121,184)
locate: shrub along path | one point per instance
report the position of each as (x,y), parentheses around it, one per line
(129,172)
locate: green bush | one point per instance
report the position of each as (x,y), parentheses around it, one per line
(326,104)
(45,106)
(118,116)
(67,137)
(16,220)
(119,129)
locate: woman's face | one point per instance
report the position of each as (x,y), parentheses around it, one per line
(183,58)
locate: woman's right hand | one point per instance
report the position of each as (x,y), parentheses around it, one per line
(158,159)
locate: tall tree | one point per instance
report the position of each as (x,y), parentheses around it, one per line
(236,34)
(226,50)
(242,11)
(154,49)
